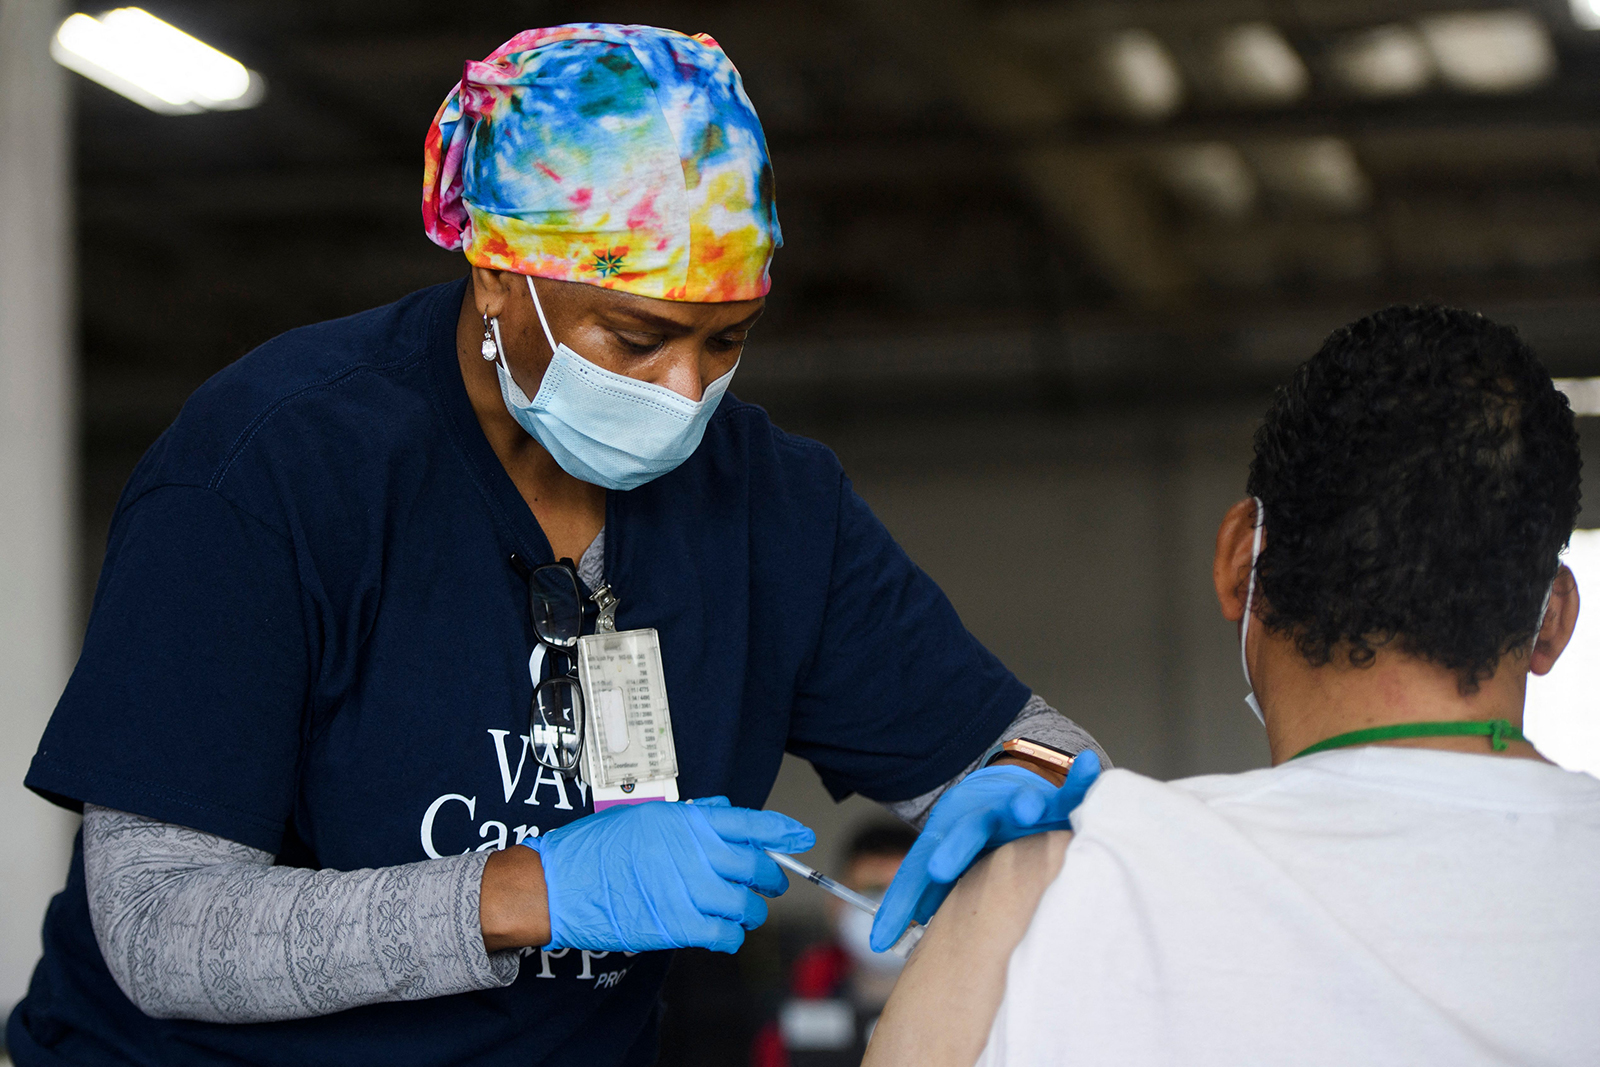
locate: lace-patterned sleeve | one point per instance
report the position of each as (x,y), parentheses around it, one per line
(194,926)
(1036,720)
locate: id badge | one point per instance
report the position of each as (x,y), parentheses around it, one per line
(633,793)
(629,727)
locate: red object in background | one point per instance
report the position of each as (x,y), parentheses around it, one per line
(767,1049)
(819,974)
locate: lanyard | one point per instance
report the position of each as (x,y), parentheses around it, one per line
(1498,731)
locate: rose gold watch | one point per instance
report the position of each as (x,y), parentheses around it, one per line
(1046,756)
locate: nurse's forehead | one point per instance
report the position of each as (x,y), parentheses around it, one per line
(673,314)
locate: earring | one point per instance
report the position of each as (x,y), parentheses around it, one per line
(491,351)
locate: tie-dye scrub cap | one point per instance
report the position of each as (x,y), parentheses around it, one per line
(627,157)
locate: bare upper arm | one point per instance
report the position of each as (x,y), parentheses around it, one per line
(946,999)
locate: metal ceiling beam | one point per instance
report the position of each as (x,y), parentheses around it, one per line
(1090,195)
(1065,21)
(254,195)
(1105,200)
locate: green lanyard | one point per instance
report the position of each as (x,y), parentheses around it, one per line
(1498,731)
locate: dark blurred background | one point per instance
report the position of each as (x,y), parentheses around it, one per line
(1044,263)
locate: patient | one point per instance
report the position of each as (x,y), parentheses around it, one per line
(1410,882)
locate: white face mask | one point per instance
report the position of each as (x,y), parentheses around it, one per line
(1249,600)
(854,928)
(605,428)
(1544,608)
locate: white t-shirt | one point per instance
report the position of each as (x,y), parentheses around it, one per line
(1355,908)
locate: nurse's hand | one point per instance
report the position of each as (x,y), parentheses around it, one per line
(664,875)
(983,811)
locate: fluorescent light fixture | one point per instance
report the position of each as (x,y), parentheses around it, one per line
(154,63)
(1257,65)
(1212,176)
(1490,51)
(1386,61)
(1320,171)
(1586,13)
(1144,79)
(1562,714)
(1584,396)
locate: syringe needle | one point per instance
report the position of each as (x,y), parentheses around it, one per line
(901,948)
(822,881)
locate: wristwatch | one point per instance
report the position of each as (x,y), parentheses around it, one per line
(1047,757)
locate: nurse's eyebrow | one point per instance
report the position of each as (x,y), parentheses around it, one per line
(675,328)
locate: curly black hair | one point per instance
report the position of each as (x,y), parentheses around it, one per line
(1419,478)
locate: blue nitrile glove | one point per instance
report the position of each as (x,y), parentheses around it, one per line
(984,810)
(659,875)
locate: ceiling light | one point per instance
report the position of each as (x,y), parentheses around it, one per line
(1582,393)
(1586,13)
(1256,64)
(1144,80)
(154,63)
(1320,171)
(1213,177)
(1387,61)
(1490,51)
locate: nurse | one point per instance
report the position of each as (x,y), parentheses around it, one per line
(502,564)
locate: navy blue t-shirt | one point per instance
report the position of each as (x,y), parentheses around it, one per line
(308,638)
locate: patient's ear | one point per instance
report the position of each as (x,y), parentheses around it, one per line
(1560,618)
(1230,567)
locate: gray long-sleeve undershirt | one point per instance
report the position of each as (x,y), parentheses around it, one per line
(194,926)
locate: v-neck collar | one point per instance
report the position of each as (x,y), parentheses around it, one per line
(511,512)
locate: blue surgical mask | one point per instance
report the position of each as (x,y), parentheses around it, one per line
(605,428)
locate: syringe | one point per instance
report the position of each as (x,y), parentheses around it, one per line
(901,948)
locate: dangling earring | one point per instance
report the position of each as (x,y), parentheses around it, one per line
(491,351)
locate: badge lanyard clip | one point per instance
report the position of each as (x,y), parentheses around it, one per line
(606,601)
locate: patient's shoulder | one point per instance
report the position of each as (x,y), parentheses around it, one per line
(947,996)
(999,884)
